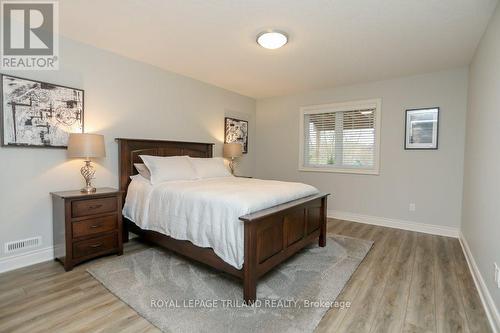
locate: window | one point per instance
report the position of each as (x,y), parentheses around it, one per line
(342,137)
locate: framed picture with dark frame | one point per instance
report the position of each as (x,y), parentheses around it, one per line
(39,114)
(422,128)
(236,130)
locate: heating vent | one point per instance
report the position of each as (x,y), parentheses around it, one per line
(22,244)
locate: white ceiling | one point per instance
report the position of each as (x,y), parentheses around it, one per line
(332,42)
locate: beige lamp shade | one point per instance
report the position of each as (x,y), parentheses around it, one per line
(84,145)
(232,150)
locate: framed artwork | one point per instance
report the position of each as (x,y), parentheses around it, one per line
(422,128)
(236,130)
(39,114)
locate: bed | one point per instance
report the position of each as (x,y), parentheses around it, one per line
(268,236)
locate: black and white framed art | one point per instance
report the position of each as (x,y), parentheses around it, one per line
(236,130)
(39,114)
(422,128)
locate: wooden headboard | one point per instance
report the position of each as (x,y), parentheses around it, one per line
(130,149)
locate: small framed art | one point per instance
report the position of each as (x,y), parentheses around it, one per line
(236,130)
(422,128)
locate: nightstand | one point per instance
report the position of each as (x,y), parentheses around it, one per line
(86,226)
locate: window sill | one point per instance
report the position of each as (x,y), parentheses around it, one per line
(331,170)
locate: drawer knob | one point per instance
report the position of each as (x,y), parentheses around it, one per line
(96,245)
(95,226)
(95,207)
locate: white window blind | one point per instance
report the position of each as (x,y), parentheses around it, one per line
(341,137)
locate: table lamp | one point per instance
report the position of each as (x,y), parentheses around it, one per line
(232,151)
(86,146)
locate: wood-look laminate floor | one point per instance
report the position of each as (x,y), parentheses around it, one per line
(409,282)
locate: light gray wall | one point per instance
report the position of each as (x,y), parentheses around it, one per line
(430,179)
(481,220)
(123,98)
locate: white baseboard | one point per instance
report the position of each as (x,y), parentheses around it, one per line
(26,259)
(489,305)
(394,223)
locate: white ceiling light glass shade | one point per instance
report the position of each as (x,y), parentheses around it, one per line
(272,40)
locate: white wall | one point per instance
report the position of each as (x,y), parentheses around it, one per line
(123,98)
(481,219)
(430,179)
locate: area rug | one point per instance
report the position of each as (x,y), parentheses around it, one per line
(177,295)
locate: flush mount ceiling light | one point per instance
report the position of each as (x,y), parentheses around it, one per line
(272,39)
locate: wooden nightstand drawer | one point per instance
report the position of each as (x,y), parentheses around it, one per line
(94,226)
(94,206)
(95,245)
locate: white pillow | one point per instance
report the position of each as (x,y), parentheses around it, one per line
(143,170)
(165,169)
(209,167)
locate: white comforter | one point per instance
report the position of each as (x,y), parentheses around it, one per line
(206,211)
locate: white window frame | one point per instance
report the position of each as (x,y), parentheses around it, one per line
(336,107)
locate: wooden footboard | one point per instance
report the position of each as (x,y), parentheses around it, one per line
(273,235)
